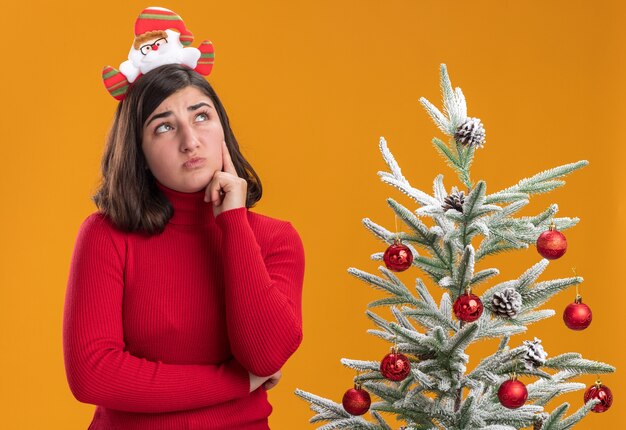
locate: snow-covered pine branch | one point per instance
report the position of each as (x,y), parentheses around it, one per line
(541,182)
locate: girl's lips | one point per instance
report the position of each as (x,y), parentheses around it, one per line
(194,162)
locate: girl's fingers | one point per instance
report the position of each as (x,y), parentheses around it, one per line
(270,383)
(226,183)
(215,190)
(216,196)
(212,191)
(228,165)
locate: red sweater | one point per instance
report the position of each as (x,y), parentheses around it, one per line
(160,331)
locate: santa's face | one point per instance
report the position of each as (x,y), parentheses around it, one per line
(183,127)
(157,52)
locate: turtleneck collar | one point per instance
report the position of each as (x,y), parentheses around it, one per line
(189,208)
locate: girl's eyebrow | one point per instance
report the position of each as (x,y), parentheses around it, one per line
(198,106)
(168,112)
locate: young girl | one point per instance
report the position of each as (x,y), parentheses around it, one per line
(182,305)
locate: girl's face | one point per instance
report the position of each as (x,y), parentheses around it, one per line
(183,127)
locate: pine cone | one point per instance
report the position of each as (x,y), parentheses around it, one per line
(454,200)
(507,302)
(535,354)
(471,133)
(539,420)
(426,356)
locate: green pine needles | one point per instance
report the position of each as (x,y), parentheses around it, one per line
(439,392)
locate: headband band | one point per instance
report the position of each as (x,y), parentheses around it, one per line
(161,37)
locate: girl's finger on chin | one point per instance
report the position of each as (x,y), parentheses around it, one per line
(208,193)
(227,162)
(217,195)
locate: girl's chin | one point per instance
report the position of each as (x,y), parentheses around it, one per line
(190,183)
(189,190)
(197,184)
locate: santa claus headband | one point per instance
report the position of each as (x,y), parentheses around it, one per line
(161,37)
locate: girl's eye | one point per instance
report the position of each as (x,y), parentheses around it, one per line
(203,116)
(163,128)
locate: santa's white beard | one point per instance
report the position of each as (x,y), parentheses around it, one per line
(165,55)
(172,52)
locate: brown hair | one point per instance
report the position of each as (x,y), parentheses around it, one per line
(148,35)
(128,194)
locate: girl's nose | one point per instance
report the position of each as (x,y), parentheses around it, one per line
(188,138)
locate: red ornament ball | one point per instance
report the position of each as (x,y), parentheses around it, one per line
(398,257)
(395,366)
(551,244)
(512,394)
(602,393)
(577,315)
(468,307)
(356,401)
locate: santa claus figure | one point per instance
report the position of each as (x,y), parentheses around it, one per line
(161,37)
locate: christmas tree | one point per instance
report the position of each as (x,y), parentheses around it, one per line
(424,380)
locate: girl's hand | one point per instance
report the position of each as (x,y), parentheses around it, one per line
(273,381)
(226,190)
(267,381)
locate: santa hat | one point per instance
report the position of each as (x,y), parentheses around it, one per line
(159,18)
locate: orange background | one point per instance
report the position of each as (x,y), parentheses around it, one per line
(310,87)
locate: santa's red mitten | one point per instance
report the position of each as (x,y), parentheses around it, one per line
(207,57)
(115,82)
